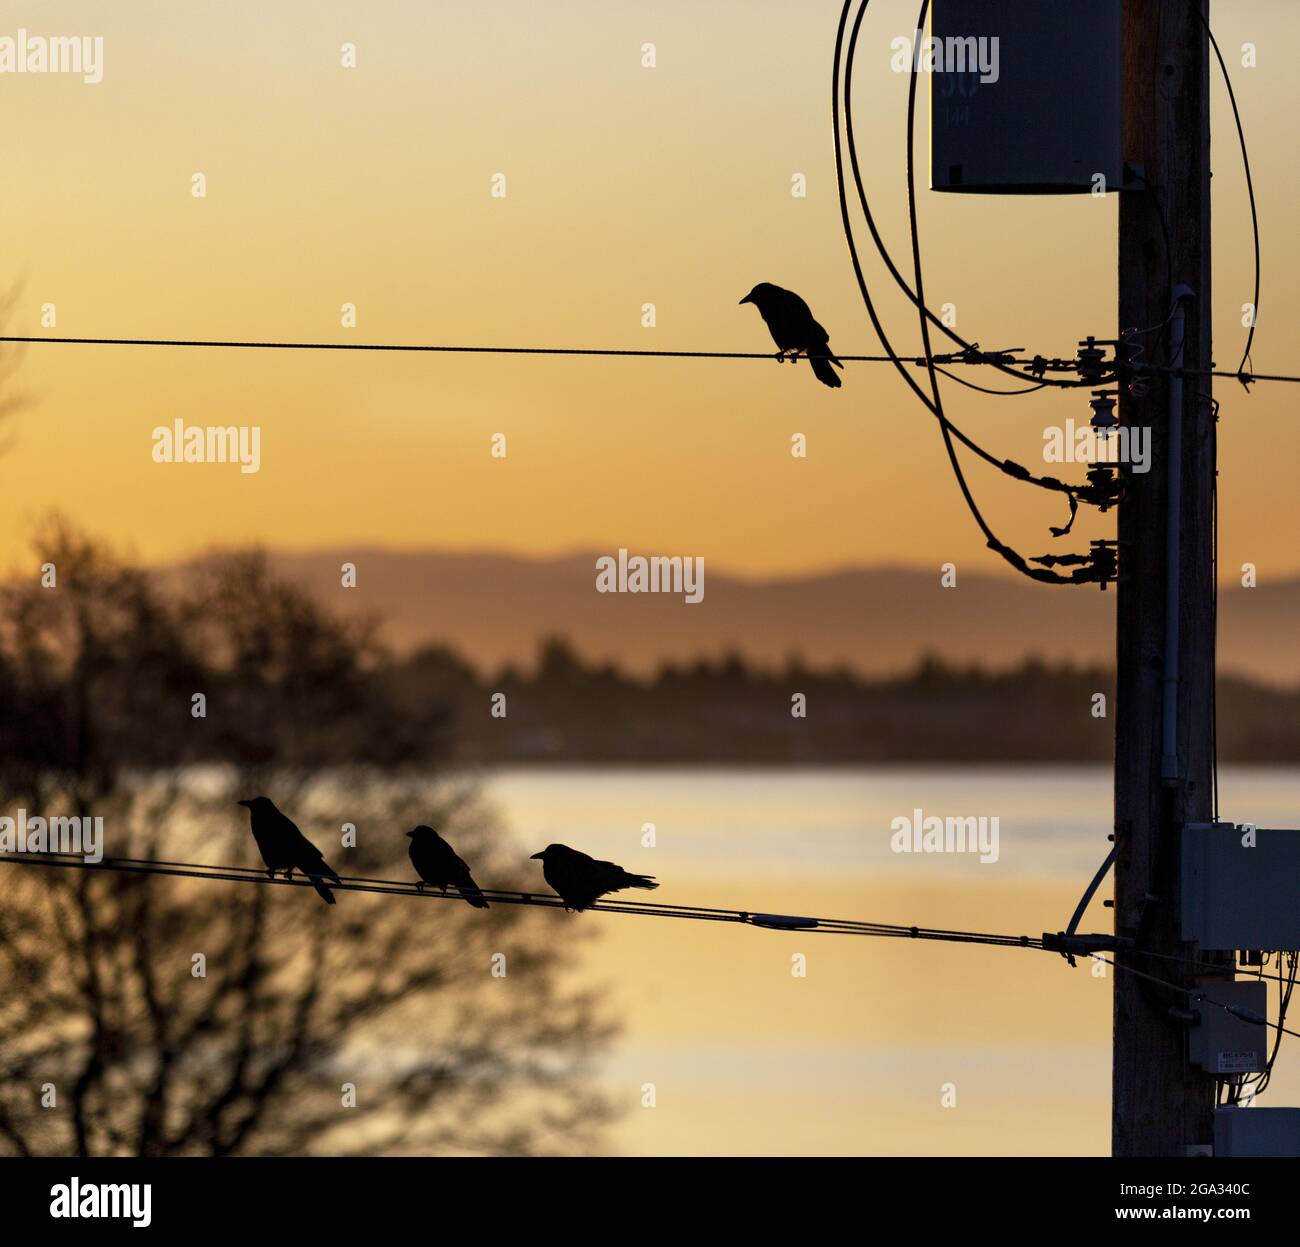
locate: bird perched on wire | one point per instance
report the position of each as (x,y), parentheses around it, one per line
(284,847)
(793,329)
(437,864)
(579,881)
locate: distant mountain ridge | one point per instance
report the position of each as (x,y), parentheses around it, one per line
(494,607)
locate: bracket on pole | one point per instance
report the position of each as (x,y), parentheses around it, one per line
(1070,946)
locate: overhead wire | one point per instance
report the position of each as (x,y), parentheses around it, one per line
(516,896)
(1242,374)
(422,348)
(983,389)
(932,402)
(1194,994)
(790,924)
(916,297)
(972,357)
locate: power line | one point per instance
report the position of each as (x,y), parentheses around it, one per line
(1200,997)
(922,310)
(438,349)
(972,356)
(847,58)
(977,358)
(1003,364)
(932,403)
(1213,969)
(780,922)
(1241,373)
(983,389)
(516,896)
(916,296)
(398,887)
(1249,378)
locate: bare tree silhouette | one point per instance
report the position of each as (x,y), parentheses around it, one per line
(11,355)
(147,1015)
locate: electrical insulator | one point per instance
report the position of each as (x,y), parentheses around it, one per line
(1103,487)
(1090,360)
(1105,561)
(1103,412)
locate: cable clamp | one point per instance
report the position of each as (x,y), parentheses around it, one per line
(1070,946)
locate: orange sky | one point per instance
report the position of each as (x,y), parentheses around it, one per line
(624,186)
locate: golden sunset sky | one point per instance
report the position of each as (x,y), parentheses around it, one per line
(625,186)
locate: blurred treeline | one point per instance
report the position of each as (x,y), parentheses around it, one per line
(283,682)
(726,711)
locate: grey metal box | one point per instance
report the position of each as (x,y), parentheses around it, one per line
(1235,896)
(1054,117)
(1220,1043)
(1257,1131)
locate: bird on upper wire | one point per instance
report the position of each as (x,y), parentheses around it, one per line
(790,321)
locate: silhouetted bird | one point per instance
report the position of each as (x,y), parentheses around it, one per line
(436,863)
(794,330)
(285,848)
(580,881)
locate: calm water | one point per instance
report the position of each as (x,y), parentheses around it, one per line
(732,823)
(863,1052)
(738,1040)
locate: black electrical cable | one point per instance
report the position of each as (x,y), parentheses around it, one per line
(974,357)
(510,896)
(917,274)
(236,344)
(1195,995)
(983,389)
(1010,556)
(1258,1083)
(1242,374)
(914,296)
(949,430)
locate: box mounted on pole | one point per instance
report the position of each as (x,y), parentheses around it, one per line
(1026,96)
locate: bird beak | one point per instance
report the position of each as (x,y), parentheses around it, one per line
(245,804)
(537,857)
(408,833)
(746,299)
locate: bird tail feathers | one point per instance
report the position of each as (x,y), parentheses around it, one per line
(471,893)
(822,370)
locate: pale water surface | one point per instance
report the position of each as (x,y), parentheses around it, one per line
(865,1052)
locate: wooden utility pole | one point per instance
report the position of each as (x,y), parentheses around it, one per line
(1160,1106)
